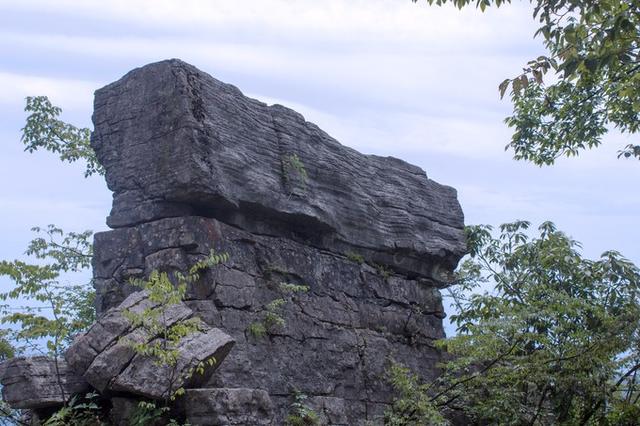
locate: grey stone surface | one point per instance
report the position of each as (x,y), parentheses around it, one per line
(105,358)
(175,141)
(228,407)
(38,382)
(331,411)
(336,338)
(122,410)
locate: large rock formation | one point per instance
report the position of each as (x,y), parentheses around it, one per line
(195,165)
(335,258)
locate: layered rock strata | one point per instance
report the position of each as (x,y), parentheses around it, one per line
(39,382)
(230,407)
(335,339)
(195,165)
(176,142)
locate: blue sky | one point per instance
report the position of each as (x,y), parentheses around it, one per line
(383,76)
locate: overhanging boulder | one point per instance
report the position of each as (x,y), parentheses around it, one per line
(175,141)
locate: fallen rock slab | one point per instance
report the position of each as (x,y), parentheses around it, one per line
(144,376)
(105,358)
(39,382)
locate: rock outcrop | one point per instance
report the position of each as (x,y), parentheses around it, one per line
(38,382)
(176,142)
(335,258)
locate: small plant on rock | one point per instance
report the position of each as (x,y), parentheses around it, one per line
(257,329)
(272,319)
(355,257)
(289,288)
(384,271)
(300,414)
(273,311)
(294,171)
(78,411)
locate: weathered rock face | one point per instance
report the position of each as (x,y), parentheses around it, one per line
(230,407)
(335,258)
(38,382)
(336,337)
(174,141)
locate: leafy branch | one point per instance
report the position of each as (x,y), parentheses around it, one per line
(44,130)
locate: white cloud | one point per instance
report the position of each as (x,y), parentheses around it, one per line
(396,78)
(364,20)
(67,92)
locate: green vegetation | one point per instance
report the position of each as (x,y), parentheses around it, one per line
(294,171)
(593,52)
(147,412)
(257,329)
(383,270)
(83,411)
(43,129)
(557,340)
(272,317)
(300,414)
(150,413)
(412,404)
(44,313)
(355,257)
(164,293)
(289,288)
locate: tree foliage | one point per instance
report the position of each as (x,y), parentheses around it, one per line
(43,129)
(164,292)
(43,311)
(413,405)
(42,307)
(545,336)
(594,55)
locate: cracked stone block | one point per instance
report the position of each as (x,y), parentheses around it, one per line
(39,382)
(331,411)
(104,356)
